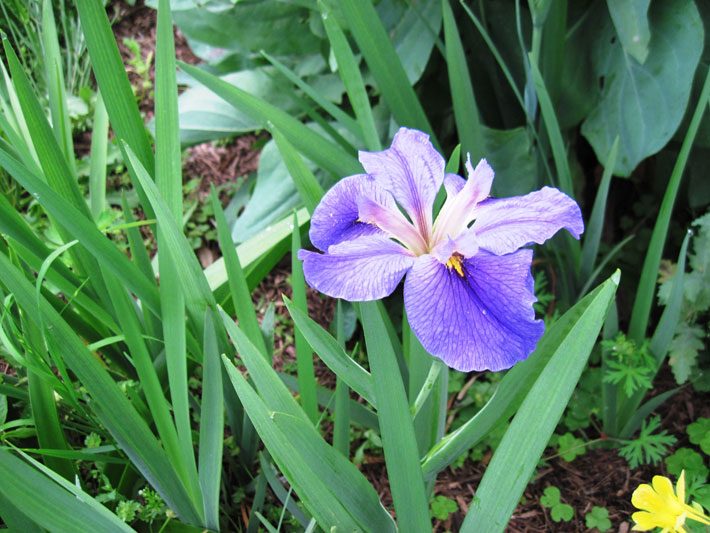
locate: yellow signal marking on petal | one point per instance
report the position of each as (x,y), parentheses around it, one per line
(454,263)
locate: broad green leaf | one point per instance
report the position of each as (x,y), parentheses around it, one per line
(396,428)
(641,311)
(275,194)
(517,455)
(512,155)
(644,103)
(315,147)
(204,116)
(49,504)
(247,27)
(306,183)
(630,19)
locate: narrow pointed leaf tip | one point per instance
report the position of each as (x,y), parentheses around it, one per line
(468,290)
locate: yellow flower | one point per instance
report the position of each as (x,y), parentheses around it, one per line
(662,507)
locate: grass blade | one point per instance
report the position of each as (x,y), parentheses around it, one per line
(559,153)
(352,79)
(111,406)
(253,251)
(468,119)
(641,311)
(241,297)
(306,183)
(518,453)
(211,425)
(304,355)
(628,411)
(49,504)
(333,354)
(158,405)
(341,409)
(192,282)
(54,75)
(593,231)
(330,487)
(385,65)
(97,172)
(112,79)
(396,429)
(334,111)
(168,182)
(83,229)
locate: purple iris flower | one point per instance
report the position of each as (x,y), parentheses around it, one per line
(468,290)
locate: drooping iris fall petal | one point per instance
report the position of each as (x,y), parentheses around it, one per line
(480,320)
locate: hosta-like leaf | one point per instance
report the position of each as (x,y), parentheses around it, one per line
(644,103)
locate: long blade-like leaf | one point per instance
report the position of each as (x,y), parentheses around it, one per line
(514,461)
(397,431)
(647,284)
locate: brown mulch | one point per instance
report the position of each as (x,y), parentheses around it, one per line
(139,22)
(599,477)
(220,164)
(320,309)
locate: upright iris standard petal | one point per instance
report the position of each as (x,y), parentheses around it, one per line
(364,269)
(336,218)
(460,207)
(412,170)
(504,225)
(478,319)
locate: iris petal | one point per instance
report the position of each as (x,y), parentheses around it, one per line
(335,219)
(504,225)
(459,209)
(412,170)
(364,269)
(481,320)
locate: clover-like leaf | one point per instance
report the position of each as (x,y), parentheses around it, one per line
(699,433)
(688,460)
(569,447)
(598,518)
(442,507)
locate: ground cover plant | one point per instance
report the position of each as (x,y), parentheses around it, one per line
(465,286)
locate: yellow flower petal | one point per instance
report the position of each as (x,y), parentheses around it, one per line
(663,486)
(644,521)
(680,486)
(646,499)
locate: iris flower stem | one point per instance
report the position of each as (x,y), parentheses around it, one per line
(427,387)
